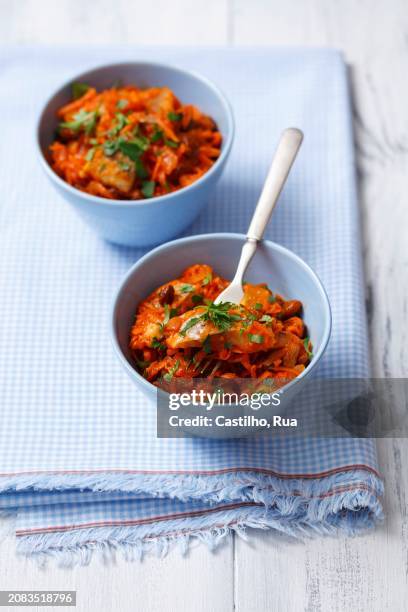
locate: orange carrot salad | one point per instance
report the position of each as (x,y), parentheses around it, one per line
(129,143)
(180,332)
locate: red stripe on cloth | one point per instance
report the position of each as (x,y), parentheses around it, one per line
(146,521)
(189,514)
(338,470)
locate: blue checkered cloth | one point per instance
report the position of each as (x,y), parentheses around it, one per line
(80,463)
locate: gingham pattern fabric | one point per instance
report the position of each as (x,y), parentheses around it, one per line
(79,457)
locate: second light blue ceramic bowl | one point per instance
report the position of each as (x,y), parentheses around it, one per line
(141,223)
(283,271)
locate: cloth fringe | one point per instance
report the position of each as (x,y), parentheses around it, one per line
(343,503)
(210,488)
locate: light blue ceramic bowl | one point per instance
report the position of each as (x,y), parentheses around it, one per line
(282,270)
(142,222)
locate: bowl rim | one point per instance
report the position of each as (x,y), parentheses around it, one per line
(149,387)
(226,148)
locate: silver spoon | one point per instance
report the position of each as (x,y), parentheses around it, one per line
(285,154)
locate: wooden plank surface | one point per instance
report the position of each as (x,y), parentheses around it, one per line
(199,582)
(272,573)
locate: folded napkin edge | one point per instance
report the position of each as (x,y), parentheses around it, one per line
(350,512)
(26,478)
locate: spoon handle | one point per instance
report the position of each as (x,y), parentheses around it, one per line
(285,154)
(283,159)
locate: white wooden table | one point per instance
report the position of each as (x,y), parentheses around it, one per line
(270,573)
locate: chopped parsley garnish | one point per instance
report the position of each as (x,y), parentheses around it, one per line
(82,120)
(141,170)
(247,322)
(258,306)
(265,319)
(122,104)
(148,188)
(133,148)
(78,90)
(142,140)
(142,365)
(173,312)
(110,147)
(124,166)
(166,314)
(121,121)
(196,299)
(306,344)
(89,156)
(167,377)
(218,314)
(207,279)
(256,338)
(190,323)
(271,299)
(156,344)
(187,288)
(174,116)
(171,143)
(207,345)
(157,135)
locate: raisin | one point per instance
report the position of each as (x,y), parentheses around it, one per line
(166,295)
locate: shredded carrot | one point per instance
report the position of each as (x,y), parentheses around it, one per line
(129,143)
(180,332)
